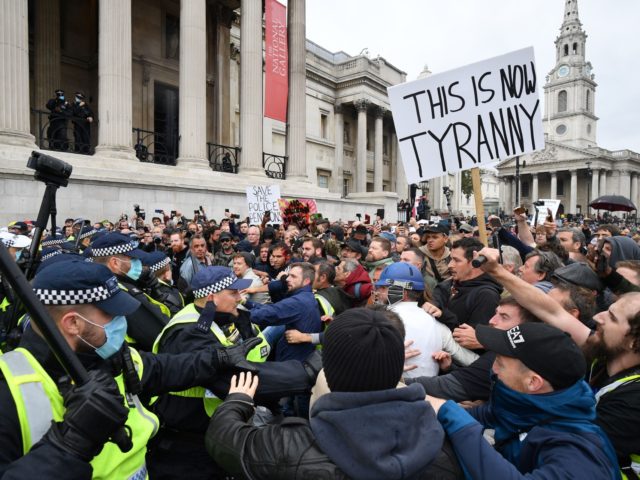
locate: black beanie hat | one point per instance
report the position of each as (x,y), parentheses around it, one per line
(362,352)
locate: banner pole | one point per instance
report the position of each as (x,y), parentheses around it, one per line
(477,196)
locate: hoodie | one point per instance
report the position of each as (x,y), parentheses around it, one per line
(358,285)
(472,302)
(386,434)
(622,248)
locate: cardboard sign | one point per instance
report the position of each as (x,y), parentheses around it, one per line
(261,199)
(297,211)
(468,117)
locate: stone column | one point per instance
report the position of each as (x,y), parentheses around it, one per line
(377,151)
(193,83)
(514,199)
(506,200)
(634,189)
(46,52)
(625,183)
(338,134)
(595,182)
(553,194)
(534,187)
(114,80)
(223,76)
(14,74)
(603,183)
(361,148)
(251,86)
(296,108)
(573,195)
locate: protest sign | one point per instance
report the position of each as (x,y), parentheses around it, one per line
(261,199)
(297,211)
(468,117)
(550,204)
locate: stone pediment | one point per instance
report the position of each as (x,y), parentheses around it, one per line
(552,153)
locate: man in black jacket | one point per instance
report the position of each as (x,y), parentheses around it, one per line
(350,432)
(470,296)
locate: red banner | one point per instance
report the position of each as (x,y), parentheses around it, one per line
(277,61)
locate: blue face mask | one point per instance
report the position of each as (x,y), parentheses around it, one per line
(115,332)
(135,270)
(18,255)
(61,97)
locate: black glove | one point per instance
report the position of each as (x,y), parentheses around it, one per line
(236,356)
(148,280)
(94,412)
(312,365)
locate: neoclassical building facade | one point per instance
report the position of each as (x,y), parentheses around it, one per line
(177,91)
(572,167)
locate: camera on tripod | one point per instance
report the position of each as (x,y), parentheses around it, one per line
(50,170)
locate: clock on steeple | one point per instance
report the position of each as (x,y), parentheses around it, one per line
(570,88)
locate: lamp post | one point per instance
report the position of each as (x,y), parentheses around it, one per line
(589,175)
(448,192)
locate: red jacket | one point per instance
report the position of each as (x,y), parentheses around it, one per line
(358,285)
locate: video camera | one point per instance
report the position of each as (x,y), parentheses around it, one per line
(50,170)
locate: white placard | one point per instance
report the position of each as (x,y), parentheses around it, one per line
(262,198)
(468,117)
(552,205)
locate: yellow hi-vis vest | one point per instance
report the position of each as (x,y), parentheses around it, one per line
(38,402)
(327,308)
(189,314)
(634,465)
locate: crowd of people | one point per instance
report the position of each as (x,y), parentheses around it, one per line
(325,350)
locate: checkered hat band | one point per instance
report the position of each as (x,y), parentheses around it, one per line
(50,255)
(8,242)
(72,297)
(215,287)
(160,265)
(109,251)
(89,233)
(50,243)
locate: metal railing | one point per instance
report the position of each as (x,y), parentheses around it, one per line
(154,147)
(275,166)
(404,213)
(223,158)
(62,131)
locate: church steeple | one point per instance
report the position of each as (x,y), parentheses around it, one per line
(572,39)
(571,14)
(570,88)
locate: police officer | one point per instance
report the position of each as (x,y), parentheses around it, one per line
(57,129)
(212,320)
(118,253)
(158,283)
(85,236)
(10,309)
(89,309)
(83,118)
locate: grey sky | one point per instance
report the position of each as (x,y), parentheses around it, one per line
(446,34)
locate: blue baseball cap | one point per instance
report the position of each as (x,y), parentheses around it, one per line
(389,236)
(401,274)
(215,279)
(115,244)
(76,282)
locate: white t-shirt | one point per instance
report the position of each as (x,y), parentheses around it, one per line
(423,329)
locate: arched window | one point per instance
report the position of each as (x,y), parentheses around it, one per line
(588,103)
(562,101)
(566,50)
(574,49)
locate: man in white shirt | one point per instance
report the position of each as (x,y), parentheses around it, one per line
(402,287)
